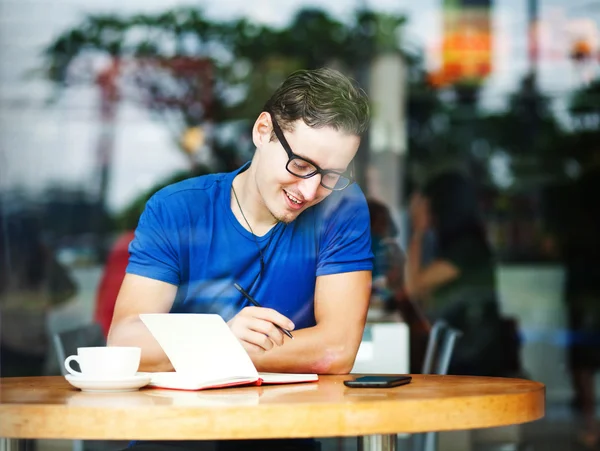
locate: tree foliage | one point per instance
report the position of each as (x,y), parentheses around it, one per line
(162,57)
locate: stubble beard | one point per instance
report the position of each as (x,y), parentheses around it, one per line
(277,217)
(282,218)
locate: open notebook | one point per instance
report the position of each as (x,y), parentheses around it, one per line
(206,354)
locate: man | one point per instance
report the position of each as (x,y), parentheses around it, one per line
(289,227)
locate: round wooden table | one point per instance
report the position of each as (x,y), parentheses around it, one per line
(49,408)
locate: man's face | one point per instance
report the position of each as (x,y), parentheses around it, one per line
(283,194)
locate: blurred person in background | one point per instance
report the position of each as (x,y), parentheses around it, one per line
(459,284)
(580,249)
(389,281)
(388,263)
(113,273)
(32,282)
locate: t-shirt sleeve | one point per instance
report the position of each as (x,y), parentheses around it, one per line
(153,251)
(346,240)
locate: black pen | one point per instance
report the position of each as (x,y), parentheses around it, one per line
(256,304)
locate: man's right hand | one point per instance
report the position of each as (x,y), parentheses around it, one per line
(255,328)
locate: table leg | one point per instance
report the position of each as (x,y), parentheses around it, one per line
(11,444)
(377,442)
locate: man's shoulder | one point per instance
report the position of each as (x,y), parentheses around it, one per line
(192,187)
(189,198)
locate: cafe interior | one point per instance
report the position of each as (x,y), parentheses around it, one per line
(483,150)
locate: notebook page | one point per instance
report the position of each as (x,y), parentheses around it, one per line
(200,345)
(175,380)
(287,378)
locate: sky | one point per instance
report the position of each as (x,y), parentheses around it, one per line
(41,144)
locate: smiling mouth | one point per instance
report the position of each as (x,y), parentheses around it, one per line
(293,201)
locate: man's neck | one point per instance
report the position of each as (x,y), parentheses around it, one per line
(250,205)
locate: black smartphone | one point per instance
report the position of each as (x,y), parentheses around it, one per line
(378,381)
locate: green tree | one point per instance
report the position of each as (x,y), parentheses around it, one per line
(188,69)
(583,143)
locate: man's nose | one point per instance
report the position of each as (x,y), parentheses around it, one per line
(309,187)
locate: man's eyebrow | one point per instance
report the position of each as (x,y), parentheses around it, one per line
(316,165)
(306,158)
(277,128)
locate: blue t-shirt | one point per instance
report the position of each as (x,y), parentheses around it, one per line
(188,236)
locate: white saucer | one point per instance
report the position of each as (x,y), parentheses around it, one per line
(109,385)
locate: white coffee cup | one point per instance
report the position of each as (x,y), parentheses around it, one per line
(105,362)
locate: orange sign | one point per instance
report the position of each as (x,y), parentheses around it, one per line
(467,42)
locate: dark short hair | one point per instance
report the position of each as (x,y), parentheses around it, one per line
(321,98)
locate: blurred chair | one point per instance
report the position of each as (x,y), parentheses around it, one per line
(67,342)
(440,347)
(438,355)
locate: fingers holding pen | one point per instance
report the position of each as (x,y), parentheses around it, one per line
(276,318)
(257,327)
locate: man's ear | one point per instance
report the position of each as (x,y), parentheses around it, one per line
(261,132)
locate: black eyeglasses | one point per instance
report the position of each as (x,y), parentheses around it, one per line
(305,169)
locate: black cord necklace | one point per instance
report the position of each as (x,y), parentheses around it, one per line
(260,251)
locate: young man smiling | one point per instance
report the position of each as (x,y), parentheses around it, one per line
(290,227)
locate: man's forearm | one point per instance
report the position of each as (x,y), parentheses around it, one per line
(309,352)
(133,332)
